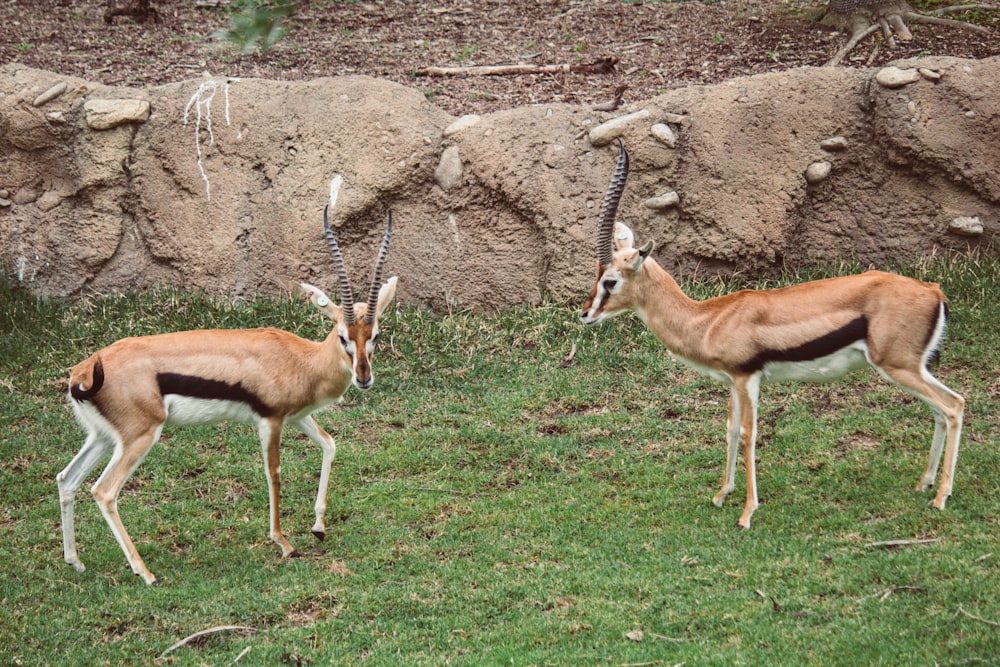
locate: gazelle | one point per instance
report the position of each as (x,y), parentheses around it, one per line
(124,394)
(813,332)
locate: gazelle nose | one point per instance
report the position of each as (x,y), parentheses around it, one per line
(364,383)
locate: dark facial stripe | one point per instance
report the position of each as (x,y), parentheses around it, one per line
(852,332)
(198,387)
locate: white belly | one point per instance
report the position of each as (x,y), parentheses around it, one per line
(187,411)
(824,369)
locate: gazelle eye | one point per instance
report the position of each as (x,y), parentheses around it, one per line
(343,341)
(609,285)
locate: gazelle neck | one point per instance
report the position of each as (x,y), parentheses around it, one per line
(669,313)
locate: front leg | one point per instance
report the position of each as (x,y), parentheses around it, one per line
(270,441)
(732,445)
(747,393)
(309,426)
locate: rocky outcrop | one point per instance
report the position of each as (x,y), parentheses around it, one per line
(219,184)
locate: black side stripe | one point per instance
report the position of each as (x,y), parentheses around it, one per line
(204,388)
(852,332)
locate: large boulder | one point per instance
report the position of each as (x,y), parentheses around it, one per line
(219,184)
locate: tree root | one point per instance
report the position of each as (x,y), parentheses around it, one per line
(891,21)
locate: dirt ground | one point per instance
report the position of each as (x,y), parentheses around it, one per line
(658,45)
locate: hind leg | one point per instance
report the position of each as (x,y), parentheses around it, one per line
(124,461)
(95,449)
(948,409)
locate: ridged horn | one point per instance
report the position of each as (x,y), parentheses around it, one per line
(346,298)
(609,208)
(377,277)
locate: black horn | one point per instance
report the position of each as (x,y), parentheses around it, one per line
(346,298)
(609,208)
(377,277)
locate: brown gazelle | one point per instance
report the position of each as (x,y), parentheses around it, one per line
(124,394)
(810,332)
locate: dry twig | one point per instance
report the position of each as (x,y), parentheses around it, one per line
(206,632)
(895,544)
(976,618)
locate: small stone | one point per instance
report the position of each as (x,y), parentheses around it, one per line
(662,202)
(929,74)
(50,94)
(894,77)
(662,133)
(5,203)
(970,114)
(463,123)
(966,226)
(57,117)
(106,114)
(834,144)
(818,172)
(25,195)
(608,131)
(449,169)
(49,201)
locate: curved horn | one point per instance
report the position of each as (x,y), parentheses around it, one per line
(346,298)
(377,277)
(609,208)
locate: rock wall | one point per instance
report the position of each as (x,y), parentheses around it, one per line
(219,184)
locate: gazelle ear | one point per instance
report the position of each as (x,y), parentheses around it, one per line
(385,295)
(635,263)
(623,238)
(321,301)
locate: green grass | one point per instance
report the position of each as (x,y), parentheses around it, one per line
(493,505)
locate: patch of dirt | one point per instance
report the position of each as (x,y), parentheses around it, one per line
(659,45)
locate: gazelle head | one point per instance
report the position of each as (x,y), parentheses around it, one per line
(355,325)
(618,261)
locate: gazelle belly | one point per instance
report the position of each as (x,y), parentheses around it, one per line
(821,369)
(187,411)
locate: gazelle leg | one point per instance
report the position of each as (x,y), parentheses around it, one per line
(747,394)
(309,426)
(947,406)
(126,458)
(937,446)
(270,440)
(94,450)
(732,449)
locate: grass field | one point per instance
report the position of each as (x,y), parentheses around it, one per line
(494,502)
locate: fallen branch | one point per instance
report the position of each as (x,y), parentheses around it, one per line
(895,544)
(203,633)
(976,618)
(602,66)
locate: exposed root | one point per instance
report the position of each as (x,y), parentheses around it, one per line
(891,20)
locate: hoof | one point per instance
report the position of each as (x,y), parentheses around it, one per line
(320,535)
